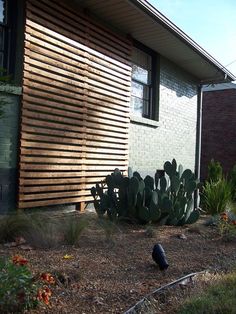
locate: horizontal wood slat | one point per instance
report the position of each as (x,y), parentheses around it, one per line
(77,100)
(65,174)
(79,80)
(47,127)
(26,182)
(73,148)
(81,118)
(54,201)
(66,51)
(74,161)
(75,105)
(63,140)
(95,70)
(69,32)
(95,29)
(38,61)
(58,153)
(53,188)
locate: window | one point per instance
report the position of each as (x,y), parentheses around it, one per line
(2,31)
(7,34)
(143,85)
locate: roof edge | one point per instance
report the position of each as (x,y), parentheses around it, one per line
(145,6)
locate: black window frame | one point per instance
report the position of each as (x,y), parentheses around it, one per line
(153,105)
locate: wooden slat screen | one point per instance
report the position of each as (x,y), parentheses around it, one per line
(75,105)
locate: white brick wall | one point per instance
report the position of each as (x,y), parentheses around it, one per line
(175,137)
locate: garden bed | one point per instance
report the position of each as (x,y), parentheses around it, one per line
(111,269)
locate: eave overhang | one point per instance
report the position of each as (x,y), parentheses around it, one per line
(140,20)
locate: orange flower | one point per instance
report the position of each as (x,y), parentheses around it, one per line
(48,291)
(224,216)
(19,260)
(44,295)
(46,299)
(48,278)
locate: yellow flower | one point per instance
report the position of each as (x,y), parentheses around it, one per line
(68,256)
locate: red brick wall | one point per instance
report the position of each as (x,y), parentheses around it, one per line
(218,129)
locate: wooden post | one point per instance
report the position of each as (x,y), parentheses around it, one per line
(80,206)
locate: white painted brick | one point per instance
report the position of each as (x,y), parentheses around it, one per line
(175,138)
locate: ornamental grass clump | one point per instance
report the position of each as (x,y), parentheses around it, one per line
(20,290)
(218,192)
(44,231)
(215,171)
(216,196)
(14,225)
(72,229)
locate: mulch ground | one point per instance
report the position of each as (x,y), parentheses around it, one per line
(109,275)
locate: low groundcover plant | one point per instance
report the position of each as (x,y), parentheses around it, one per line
(19,289)
(227,226)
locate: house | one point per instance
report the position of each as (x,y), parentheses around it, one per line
(218,126)
(98,85)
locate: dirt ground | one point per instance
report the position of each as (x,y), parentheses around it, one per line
(112,268)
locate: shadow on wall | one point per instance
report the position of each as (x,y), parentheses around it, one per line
(175,79)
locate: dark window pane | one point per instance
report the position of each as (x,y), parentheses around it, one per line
(1,38)
(2,12)
(141,83)
(146,110)
(1,60)
(146,92)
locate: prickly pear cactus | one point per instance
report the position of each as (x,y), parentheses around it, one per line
(176,194)
(165,199)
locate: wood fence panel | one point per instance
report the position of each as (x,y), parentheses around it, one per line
(75,105)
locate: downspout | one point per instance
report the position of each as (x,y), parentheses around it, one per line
(198,141)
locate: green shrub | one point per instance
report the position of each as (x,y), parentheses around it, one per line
(216,196)
(215,171)
(19,289)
